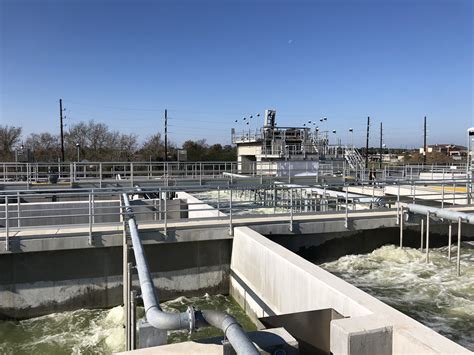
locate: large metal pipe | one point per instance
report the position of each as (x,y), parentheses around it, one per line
(190,319)
(441,213)
(232,330)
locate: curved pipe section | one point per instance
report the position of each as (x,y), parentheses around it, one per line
(232,331)
(191,319)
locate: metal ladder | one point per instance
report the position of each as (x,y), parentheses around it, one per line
(353,158)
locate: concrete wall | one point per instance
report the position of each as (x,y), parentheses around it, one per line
(268,279)
(36,283)
(77,212)
(195,206)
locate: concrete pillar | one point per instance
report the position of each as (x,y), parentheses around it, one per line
(361,336)
(149,336)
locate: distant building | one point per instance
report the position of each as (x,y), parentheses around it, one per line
(457,152)
(288,150)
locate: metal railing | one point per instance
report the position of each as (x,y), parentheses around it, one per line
(21,210)
(106,173)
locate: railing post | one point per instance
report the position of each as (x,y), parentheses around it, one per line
(125,284)
(458,258)
(166,213)
(133,319)
(326,204)
(71,174)
(18,207)
(442,195)
(398,203)
(90,219)
(454,193)
(274,199)
(93,206)
(231,229)
(200,174)
(28,177)
(422,233)
(414,192)
(291,209)
(100,175)
(468,200)
(346,223)
(427,237)
(7,241)
(131,175)
(129,286)
(373,196)
(160,199)
(450,232)
(401,227)
(218,201)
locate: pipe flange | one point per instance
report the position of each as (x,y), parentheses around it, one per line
(191,318)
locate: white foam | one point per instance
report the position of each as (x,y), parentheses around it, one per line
(429,292)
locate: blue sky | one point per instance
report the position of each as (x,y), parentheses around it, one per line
(211,62)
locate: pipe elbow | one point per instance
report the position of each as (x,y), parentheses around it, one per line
(168,321)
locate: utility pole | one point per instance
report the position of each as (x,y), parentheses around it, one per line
(424,143)
(61,125)
(367,145)
(166,135)
(381,145)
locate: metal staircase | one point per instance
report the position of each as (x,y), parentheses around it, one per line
(353,158)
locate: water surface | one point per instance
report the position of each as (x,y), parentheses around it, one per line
(431,293)
(100,331)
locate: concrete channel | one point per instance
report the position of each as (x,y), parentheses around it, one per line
(266,266)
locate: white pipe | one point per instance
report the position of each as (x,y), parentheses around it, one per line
(441,213)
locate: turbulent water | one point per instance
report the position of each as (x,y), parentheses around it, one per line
(430,293)
(100,331)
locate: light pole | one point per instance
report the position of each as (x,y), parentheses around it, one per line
(78,149)
(352,137)
(337,143)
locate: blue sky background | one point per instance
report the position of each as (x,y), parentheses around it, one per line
(211,62)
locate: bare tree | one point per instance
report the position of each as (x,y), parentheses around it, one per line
(44,146)
(153,148)
(96,142)
(9,138)
(127,147)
